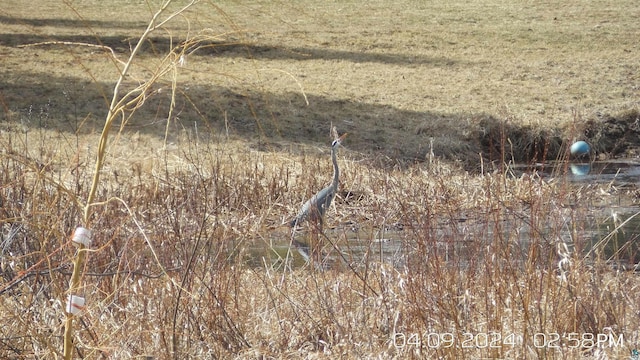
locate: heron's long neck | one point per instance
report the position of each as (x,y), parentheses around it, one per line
(336,171)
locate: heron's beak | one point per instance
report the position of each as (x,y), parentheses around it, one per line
(342,137)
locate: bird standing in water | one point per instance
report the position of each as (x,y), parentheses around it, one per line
(314,209)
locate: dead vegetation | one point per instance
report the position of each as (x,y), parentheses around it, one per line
(479,256)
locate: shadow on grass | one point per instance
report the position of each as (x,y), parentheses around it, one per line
(162,45)
(389,135)
(392,135)
(395,135)
(73,23)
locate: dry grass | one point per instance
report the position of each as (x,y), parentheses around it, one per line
(483,259)
(393,75)
(479,255)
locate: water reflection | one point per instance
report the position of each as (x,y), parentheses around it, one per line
(617,239)
(605,171)
(343,248)
(611,238)
(622,170)
(611,232)
(580,169)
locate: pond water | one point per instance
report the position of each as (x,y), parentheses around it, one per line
(621,171)
(613,238)
(613,230)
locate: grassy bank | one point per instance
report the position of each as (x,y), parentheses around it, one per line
(393,75)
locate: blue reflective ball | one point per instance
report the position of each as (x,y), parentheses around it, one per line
(580,148)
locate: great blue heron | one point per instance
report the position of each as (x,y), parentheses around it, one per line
(314,209)
(316,206)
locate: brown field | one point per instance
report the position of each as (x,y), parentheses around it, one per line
(223,132)
(393,75)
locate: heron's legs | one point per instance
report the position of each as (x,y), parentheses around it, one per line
(311,251)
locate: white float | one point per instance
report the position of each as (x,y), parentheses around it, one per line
(81,236)
(75,304)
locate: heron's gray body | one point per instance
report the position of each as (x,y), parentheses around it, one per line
(315,208)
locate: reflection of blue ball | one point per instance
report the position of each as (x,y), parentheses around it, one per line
(580,148)
(580,169)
